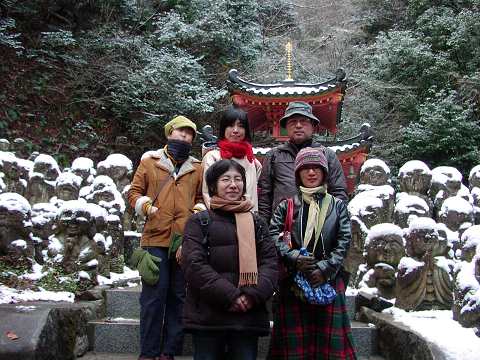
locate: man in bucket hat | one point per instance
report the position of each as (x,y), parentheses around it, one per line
(277,180)
(165,189)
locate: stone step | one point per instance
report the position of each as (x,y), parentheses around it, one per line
(124,303)
(118,356)
(123,336)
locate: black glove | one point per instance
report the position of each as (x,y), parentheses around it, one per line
(306,264)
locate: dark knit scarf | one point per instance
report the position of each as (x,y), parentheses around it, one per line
(247,251)
(237,150)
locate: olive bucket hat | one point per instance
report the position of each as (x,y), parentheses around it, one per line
(298,108)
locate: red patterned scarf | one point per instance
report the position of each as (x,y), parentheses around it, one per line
(237,150)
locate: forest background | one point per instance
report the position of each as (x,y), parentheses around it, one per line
(76,74)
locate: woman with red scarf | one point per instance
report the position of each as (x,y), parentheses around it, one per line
(234,142)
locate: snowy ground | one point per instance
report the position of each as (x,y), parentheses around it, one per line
(438,327)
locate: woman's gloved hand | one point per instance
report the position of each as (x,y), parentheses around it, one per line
(306,264)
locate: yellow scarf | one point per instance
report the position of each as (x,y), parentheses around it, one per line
(316,214)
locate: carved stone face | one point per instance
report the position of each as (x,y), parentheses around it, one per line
(416,181)
(47,169)
(421,241)
(374,175)
(105,195)
(118,172)
(385,249)
(73,223)
(11,218)
(67,192)
(385,275)
(11,170)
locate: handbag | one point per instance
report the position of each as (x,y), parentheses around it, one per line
(286,237)
(322,295)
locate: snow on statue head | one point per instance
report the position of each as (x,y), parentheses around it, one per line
(384,244)
(415,177)
(407,205)
(84,168)
(118,167)
(67,186)
(375,172)
(456,212)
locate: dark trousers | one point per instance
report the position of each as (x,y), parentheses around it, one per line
(161,307)
(222,345)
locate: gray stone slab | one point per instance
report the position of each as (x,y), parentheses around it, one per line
(123,303)
(45,330)
(350,299)
(365,338)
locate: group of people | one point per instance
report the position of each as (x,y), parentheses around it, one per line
(230,211)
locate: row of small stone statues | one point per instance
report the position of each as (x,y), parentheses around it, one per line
(75,218)
(419,246)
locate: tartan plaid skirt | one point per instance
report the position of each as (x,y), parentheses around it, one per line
(304,331)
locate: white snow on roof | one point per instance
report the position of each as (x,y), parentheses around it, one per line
(438,327)
(287,90)
(406,203)
(261,150)
(414,166)
(11,296)
(442,174)
(68,178)
(82,163)
(458,204)
(381,230)
(370,163)
(116,160)
(344,148)
(15,202)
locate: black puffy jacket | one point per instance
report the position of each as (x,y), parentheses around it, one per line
(336,234)
(277,180)
(212,272)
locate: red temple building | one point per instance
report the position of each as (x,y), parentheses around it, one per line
(266,104)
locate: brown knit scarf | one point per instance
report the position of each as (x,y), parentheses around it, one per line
(247,252)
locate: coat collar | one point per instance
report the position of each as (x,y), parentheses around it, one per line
(162,161)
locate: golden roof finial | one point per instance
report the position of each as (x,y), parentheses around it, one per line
(288,49)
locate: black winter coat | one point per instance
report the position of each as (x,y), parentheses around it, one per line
(212,273)
(336,234)
(277,180)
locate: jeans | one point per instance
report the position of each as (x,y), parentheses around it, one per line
(222,345)
(161,307)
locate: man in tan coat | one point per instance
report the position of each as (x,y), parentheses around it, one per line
(166,188)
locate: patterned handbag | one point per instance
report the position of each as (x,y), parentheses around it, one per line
(323,295)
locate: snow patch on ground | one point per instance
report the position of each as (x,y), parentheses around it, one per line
(438,327)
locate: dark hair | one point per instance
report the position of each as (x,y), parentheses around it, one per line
(229,116)
(219,168)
